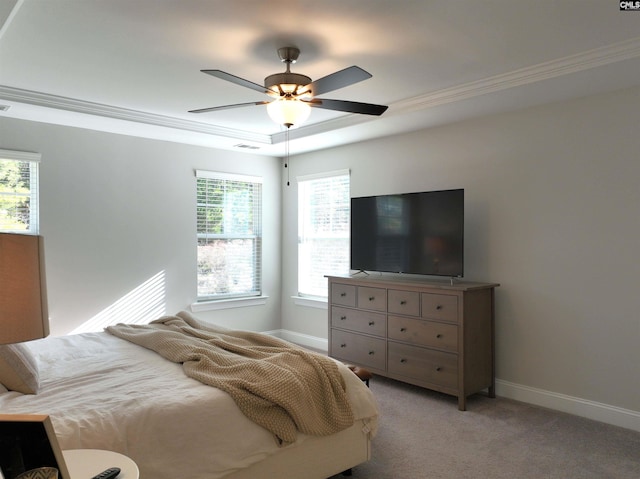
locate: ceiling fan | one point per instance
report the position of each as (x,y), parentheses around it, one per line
(292,94)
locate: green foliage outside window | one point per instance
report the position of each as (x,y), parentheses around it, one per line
(15,195)
(229,237)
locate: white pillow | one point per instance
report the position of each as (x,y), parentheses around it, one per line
(18,369)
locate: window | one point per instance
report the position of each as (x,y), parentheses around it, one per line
(19,192)
(229,228)
(323,230)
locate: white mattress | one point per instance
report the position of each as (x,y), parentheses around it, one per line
(105,393)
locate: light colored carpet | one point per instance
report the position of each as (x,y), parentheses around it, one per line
(423,435)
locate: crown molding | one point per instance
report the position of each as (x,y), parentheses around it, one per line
(98,109)
(580,62)
(627,50)
(618,52)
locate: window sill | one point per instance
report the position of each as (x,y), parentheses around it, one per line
(228,303)
(319,303)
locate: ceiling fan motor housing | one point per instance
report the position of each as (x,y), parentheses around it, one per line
(272,81)
(292,81)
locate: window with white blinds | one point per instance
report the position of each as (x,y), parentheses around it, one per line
(229,228)
(19,192)
(323,230)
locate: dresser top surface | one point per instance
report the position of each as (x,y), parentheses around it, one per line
(384,280)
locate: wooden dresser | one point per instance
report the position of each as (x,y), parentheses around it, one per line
(432,334)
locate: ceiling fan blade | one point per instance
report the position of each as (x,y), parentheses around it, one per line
(349,106)
(228,107)
(237,80)
(339,79)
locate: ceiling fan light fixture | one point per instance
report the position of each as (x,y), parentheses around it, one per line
(288,111)
(294,94)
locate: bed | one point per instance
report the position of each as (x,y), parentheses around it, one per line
(105,392)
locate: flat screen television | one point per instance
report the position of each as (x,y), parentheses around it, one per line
(413,233)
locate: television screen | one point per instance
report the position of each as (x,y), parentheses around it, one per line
(415,233)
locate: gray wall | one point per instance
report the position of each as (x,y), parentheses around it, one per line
(118,218)
(552,196)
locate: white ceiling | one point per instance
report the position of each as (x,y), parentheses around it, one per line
(133,66)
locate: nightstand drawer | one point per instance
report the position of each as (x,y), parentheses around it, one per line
(372,298)
(361,321)
(424,333)
(440,306)
(361,350)
(404,302)
(427,365)
(343,294)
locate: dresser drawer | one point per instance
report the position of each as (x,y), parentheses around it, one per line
(343,294)
(435,367)
(357,320)
(424,333)
(372,298)
(404,302)
(361,350)
(440,306)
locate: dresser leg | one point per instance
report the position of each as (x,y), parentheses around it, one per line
(462,403)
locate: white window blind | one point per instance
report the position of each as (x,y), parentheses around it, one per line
(229,229)
(323,230)
(19,192)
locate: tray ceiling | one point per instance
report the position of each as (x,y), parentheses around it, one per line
(133,67)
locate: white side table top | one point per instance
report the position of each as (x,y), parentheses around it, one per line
(86,463)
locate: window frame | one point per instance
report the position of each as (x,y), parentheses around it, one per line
(236,299)
(33,159)
(309,296)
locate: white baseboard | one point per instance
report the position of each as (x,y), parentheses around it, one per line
(559,402)
(305,340)
(580,407)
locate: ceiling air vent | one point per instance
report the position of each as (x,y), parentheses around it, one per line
(246,147)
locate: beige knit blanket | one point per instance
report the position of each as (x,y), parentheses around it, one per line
(281,387)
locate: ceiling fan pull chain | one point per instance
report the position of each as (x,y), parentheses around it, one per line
(286,149)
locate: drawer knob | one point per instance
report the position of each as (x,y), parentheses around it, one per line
(343,294)
(438,369)
(342,318)
(403,360)
(343,345)
(438,335)
(371,353)
(371,323)
(439,307)
(371,298)
(402,330)
(403,302)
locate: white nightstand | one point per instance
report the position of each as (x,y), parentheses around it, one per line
(86,463)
